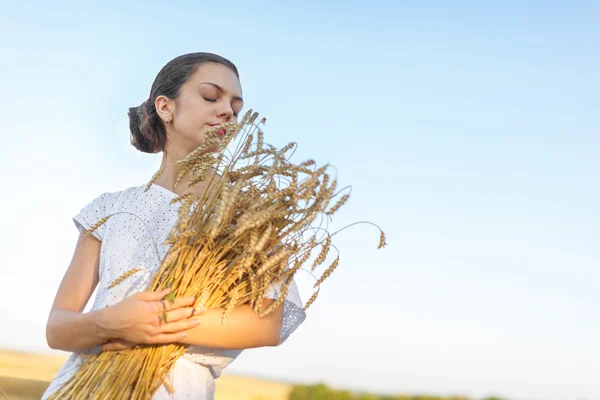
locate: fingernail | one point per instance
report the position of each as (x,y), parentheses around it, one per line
(184,334)
(197,322)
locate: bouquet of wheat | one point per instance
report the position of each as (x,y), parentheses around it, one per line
(253,227)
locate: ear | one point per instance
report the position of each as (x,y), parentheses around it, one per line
(165,107)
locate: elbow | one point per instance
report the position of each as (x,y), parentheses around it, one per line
(274,332)
(51,337)
(53,345)
(261,339)
(273,339)
(267,336)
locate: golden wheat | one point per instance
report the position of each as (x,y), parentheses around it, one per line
(248,231)
(97,225)
(123,277)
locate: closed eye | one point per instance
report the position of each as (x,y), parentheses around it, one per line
(214,100)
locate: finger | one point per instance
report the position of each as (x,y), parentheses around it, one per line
(198,311)
(167,338)
(180,325)
(181,313)
(179,302)
(153,296)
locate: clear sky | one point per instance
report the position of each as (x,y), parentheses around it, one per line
(470,133)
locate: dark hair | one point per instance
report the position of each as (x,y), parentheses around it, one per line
(148,132)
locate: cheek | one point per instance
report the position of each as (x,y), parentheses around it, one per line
(195,111)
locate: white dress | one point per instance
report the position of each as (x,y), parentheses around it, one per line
(132,239)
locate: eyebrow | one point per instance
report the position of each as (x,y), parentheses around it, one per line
(220,89)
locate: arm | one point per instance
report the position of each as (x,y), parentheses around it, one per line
(137,318)
(241,330)
(67,327)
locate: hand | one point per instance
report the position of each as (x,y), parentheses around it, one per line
(139,319)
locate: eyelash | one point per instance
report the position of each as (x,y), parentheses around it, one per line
(214,100)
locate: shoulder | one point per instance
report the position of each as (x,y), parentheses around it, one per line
(131,191)
(105,204)
(106,201)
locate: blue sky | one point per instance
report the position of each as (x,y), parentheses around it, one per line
(469,134)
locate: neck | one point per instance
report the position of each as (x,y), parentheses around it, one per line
(169,175)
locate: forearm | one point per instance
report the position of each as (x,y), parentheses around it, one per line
(74,331)
(241,330)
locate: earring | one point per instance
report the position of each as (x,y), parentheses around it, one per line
(167,121)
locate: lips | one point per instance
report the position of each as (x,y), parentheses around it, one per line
(221,132)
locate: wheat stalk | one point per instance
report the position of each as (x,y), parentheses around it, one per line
(124,276)
(245,233)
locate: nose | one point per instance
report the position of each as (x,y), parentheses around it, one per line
(225,111)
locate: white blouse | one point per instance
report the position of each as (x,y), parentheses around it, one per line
(132,239)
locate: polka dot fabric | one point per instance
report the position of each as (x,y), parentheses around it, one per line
(133,238)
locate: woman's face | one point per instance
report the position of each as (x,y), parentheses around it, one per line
(211,96)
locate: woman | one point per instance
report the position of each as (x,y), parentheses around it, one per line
(191,94)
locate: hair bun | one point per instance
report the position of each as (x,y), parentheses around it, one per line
(143,136)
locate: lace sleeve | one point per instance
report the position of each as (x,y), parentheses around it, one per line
(293,315)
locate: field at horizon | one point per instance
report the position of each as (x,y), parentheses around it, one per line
(25,376)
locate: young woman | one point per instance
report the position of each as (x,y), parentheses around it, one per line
(191,94)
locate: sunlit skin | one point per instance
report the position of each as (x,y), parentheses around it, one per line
(212,95)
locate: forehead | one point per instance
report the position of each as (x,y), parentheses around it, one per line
(218,74)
